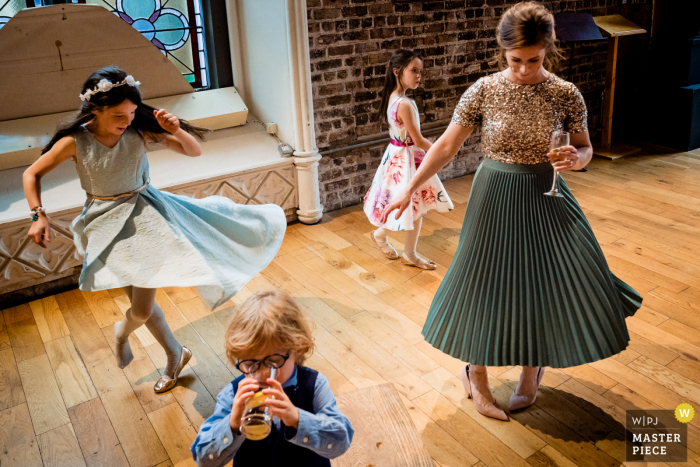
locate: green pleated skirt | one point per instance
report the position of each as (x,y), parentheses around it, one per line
(529,284)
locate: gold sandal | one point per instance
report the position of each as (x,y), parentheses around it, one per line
(165,383)
(393,254)
(428,265)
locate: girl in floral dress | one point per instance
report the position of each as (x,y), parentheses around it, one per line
(400,161)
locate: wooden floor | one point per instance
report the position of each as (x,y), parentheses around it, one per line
(63,401)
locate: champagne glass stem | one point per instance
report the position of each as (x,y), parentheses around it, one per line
(554,182)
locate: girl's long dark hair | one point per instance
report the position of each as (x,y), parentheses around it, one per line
(144,122)
(400,60)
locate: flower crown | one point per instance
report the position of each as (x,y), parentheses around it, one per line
(105,85)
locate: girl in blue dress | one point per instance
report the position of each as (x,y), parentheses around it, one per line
(134,236)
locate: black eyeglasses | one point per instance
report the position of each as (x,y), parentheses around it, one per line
(271,361)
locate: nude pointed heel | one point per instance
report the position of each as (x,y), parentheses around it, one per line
(491,409)
(521,401)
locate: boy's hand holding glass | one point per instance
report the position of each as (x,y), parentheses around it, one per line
(256,416)
(246,390)
(280,405)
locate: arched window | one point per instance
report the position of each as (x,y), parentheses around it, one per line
(175,27)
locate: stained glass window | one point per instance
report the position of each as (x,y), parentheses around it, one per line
(174,26)
(9,8)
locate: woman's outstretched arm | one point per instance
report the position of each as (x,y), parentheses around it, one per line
(440,153)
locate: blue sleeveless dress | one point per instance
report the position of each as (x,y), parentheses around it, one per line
(156,239)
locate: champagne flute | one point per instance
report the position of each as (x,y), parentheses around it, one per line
(559,140)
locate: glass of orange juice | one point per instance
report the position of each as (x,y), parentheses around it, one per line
(256,423)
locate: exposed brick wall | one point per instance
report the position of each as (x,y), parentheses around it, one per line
(351,42)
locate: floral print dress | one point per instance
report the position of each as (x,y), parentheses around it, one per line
(398,166)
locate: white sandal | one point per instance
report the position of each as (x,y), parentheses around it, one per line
(426,264)
(391,254)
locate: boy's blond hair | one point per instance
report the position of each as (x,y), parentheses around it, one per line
(269,318)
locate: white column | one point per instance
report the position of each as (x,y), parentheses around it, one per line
(310,209)
(306,155)
(234,40)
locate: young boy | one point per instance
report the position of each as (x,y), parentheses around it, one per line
(270,331)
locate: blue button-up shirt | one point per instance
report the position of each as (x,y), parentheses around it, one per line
(327,432)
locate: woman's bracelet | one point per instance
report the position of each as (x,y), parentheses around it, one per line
(35,213)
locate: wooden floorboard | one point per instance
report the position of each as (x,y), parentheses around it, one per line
(64,401)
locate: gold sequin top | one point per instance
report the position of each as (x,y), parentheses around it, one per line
(517,120)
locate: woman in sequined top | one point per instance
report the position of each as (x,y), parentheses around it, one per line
(529,284)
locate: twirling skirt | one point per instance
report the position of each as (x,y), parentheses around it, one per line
(157,239)
(398,167)
(529,284)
